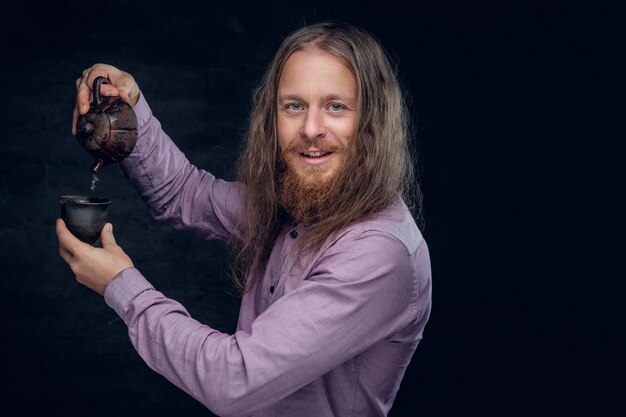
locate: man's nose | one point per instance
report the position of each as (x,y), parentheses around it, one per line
(313,127)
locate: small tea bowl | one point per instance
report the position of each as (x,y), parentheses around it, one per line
(84,216)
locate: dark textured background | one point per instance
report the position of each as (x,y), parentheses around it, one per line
(512,105)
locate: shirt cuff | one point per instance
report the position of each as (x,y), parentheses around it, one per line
(142,111)
(123,289)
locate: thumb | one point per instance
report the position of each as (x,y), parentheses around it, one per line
(106,236)
(127,89)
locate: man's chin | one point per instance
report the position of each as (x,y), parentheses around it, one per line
(314,178)
(314,183)
(306,197)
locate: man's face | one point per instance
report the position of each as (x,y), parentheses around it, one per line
(317,102)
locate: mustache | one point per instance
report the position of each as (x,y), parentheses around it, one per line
(305,147)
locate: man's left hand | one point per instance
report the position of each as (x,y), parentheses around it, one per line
(93,267)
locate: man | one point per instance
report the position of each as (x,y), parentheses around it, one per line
(334,273)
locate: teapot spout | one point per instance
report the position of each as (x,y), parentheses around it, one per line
(97,166)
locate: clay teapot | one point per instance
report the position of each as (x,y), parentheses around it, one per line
(108,131)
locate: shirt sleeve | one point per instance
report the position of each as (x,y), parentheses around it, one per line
(361,291)
(175,191)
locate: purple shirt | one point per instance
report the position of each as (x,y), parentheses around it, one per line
(328,335)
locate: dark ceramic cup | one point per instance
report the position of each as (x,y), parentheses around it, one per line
(84,216)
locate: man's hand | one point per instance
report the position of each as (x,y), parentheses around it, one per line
(93,267)
(122,84)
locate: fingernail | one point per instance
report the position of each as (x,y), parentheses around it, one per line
(109,227)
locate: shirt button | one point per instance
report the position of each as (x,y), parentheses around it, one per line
(293,234)
(272,289)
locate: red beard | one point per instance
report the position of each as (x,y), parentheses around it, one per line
(307,202)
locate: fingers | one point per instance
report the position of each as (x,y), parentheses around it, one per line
(83,93)
(127,88)
(121,84)
(92,267)
(65,255)
(61,229)
(74,120)
(68,243)
(84,83)
(106,236)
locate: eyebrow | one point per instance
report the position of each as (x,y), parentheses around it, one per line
(328,97)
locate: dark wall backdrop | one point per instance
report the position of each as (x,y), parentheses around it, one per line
(510,104)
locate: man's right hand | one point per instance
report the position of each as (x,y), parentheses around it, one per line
(122,84)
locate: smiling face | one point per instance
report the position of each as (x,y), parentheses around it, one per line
(317,102)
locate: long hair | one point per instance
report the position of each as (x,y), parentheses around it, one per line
(378,166)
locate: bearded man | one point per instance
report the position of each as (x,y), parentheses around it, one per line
(334,273)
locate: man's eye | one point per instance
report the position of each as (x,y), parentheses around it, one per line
(294,107)
(336,107)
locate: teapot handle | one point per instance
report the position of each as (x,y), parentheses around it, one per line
(97,98)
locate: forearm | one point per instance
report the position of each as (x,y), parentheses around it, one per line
(207,364)
(176,191)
